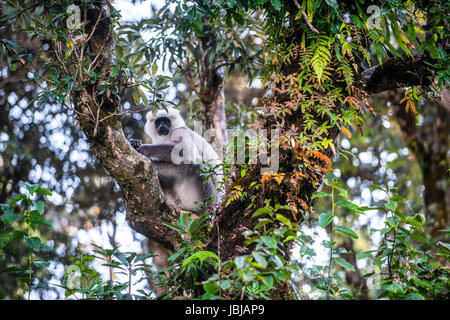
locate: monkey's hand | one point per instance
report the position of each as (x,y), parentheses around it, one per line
(135,143)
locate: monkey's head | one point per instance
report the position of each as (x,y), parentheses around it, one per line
(161,125)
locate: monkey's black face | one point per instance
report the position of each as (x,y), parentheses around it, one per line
(162,126)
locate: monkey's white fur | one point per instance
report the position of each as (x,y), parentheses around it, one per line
(196,150)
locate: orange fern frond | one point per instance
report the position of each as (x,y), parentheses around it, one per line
(324,158)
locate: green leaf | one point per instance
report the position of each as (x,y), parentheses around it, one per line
(201,257)
(240,261)
(114,71)
(443,244)
(325,219)
(347,231)
(414,296)
(276,4)
(320,195)
(397,198)
(35,243)
(343,193)
(211,287)
(176,255)
(268,282)
(350,205)
(44,191)
(391,205)
(17,199)
(377,187)
(283,220)
(32,189)
(394,288)
(345,264)
(225,284)
(328,244)
(154,69)
(261,211)
(231,3)
(377,266)
(262,222)
(332,3)
(259,258)
(8,215)
(397,35)
(41,264)
(17,235)
(136,97)
(39,205)
(174,227)
(269,241)
(277,261)
(356,21)
(363,255)
(145,256)
(119,255)
(137,57)
(4,238)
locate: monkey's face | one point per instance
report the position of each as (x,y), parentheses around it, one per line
(162,125)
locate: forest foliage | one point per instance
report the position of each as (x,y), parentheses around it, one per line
(320,64)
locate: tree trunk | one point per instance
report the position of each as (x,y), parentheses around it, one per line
(430,144)
(216,118)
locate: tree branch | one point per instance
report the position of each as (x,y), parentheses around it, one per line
(396,73)
(145,202)
(299,7)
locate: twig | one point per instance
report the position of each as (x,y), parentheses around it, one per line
(58,51)
(306,17)
(25,9)
(96,23)
(97,121)
(123,113)
(99,52)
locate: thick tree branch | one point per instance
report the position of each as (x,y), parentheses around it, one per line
(396,73)
(145,203)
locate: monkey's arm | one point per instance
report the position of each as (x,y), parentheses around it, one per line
(156,152)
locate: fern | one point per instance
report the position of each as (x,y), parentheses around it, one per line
(347,72)
(375,36)
(305,56)
(321,58)
(319,155)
